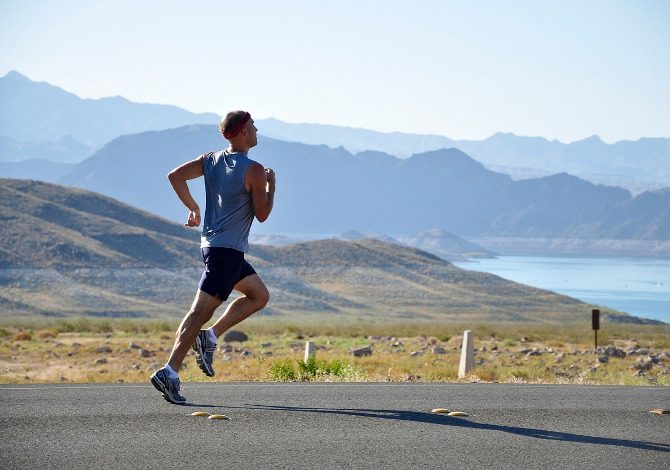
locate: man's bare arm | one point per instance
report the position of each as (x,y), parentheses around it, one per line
(178,177)
(261,183)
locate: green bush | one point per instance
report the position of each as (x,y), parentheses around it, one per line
(520,373)
(313,369)
(282,371)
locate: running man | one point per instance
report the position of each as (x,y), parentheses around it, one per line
(237,190)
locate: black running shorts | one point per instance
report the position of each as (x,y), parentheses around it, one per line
(224,267)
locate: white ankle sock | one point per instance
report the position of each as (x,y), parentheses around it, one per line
(171,373)
(212,336)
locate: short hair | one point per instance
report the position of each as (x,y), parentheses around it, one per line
(232,123)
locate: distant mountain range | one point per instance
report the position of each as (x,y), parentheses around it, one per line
(39,112)
(329,191)
(41,121)
(638,166)
(71,252)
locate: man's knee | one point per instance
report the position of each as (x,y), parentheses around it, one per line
(264,297)
(254,289)
(259,295)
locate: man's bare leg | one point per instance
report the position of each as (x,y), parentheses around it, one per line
(255,297)
(201,311)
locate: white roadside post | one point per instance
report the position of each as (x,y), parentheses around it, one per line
(309,350)
(467,355)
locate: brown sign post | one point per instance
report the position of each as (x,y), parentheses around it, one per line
(595,323)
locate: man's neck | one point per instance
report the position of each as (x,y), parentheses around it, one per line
(238,148)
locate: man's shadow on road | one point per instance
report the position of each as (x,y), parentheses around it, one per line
(444,420)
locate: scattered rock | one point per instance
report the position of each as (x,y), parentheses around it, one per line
(266,345)
(534,352)
(439,350)
(145,353)
(102,360)
(410,378)
(133,345)
(611,351)
(226,348)
(642,364)
(415,353)
(651,358)
(360,352)
(603,359)
(235,336)
(103,349)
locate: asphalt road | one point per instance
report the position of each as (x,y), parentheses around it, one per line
(334,426)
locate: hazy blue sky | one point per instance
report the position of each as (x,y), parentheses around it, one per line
(560,69)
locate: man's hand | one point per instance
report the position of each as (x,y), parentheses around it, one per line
(193,218)
(270,177)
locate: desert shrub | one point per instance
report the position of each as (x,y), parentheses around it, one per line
(23,336)
(312,369)
(44,334)
(282,371)
(519,373)
(487,374)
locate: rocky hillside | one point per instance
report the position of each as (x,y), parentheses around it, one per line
(72,252)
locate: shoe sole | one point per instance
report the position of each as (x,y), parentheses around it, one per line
(208,371)
(158,385)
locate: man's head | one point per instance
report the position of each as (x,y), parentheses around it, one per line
(239,129)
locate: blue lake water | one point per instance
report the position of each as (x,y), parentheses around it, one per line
(639,286)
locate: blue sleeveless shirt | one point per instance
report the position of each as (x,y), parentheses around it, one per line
(229,210)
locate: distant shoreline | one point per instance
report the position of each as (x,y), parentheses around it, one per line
(583,247)
(637,285)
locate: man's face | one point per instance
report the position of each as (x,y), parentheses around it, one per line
(252,140)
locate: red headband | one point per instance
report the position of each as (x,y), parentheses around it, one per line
(236,130)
